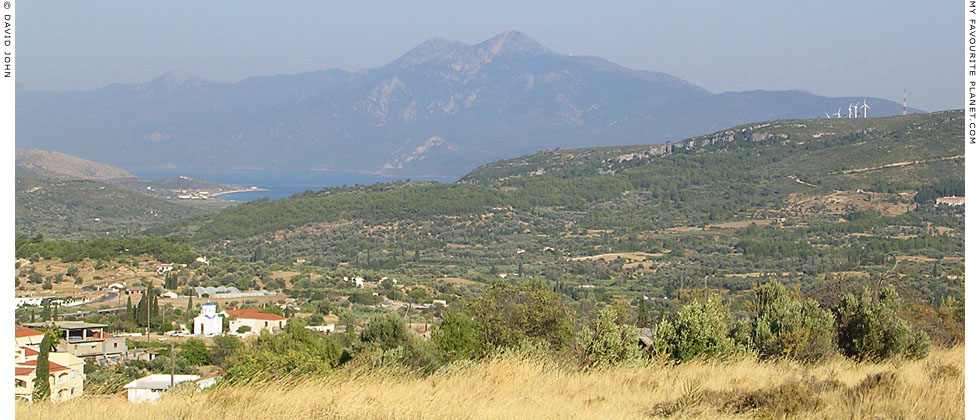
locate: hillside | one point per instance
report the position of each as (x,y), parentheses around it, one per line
(819,204)
(81,208)
(440,109)
(53,165)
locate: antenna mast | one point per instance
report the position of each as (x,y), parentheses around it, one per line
(905,102)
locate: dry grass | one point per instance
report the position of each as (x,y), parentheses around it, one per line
(520,388)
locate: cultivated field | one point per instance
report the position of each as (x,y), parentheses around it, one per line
(526,388)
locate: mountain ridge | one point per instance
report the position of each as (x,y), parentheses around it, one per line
(504,97)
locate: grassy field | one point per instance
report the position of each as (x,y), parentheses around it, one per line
(515,387)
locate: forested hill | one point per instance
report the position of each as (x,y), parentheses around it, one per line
(593,161)
(75,208)
(730,175)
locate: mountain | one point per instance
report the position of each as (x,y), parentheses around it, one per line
(442,108)
(54,165)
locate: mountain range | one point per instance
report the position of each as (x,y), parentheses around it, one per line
(441,109)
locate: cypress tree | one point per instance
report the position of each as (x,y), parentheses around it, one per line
(54,316)
(42,388)
(46,312)
(32,314)
(129,308)
(190,304)
(642,317)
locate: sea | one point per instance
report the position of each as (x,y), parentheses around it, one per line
(277,183)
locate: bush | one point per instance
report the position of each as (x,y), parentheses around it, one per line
(456,337)
(195,352)
(868,328)
(293,352)
(387,332)
(507,314)
(788,327)
(700,330)
(609,342)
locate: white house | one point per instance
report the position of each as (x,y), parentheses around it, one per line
(254,320)
(203,260)
(164,268)
(150,388)
(323,329)
(208,323)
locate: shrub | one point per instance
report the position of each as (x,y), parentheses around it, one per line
(609,342)
(507,314)
(456,337)
(195,352)
(387,332)
(294,351)
(699,330)
(788,327)
(868,328)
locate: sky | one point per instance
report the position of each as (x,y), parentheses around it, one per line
(830,48)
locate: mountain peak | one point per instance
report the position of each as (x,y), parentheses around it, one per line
(513,41)
(429,50)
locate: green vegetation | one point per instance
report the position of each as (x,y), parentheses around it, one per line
(80,209)
(791,240)
(42,386)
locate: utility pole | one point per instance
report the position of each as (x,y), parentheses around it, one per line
(148,305)
(171,363)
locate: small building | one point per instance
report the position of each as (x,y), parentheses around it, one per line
(203,260)
(438,302)
(151,387)
(255,320)
(164,268)
(208,323)
(170,295)
(135,290)
(323,329)
(66,372)
(115,287)
(951,201)
(86,340)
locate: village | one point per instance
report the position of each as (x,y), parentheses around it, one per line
(81,347)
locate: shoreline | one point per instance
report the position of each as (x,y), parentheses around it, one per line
(238,191)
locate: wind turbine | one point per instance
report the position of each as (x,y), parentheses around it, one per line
(866,108)
(828,115)
(838,112)
(849,107)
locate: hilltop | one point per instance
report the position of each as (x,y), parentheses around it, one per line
(440,109)
(54,165)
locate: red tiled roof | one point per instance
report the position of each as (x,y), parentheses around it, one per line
(52,366)
(253,314)
(29,351)
(22,331)
(23,371)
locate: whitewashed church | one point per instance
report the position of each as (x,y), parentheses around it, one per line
(208,323)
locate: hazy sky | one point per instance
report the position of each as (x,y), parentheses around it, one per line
(833,48)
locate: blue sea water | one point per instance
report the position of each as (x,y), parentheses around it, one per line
(278,183)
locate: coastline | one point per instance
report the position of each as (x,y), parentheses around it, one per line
(238,191)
